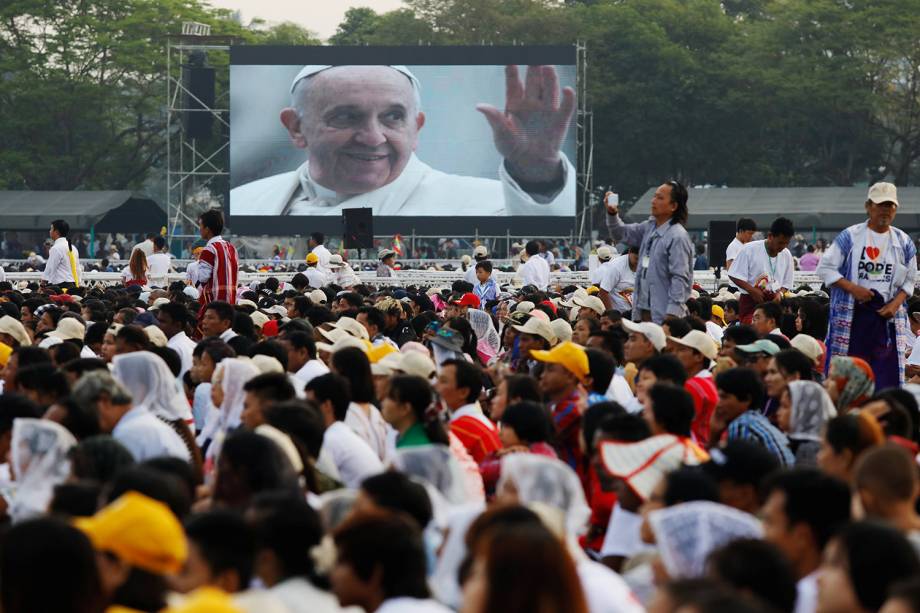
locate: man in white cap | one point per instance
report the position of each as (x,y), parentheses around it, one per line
(870,269)
(618,282)
(605,255)
(360,125)
(344,275)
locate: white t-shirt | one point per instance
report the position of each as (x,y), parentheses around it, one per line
(315,277)
(754,265)
(535,271)
(619,277)
(597,275)
(158,264)
(731,252)
(370,427)
(877,264)
(352,457)
(714,330)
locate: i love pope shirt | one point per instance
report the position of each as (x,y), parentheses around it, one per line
(876,266)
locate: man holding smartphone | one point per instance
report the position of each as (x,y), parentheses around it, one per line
(664,276)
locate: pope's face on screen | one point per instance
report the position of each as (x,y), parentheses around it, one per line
(360,124)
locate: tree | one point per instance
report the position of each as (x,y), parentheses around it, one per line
(81,101)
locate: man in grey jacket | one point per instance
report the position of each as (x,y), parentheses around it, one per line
(664,276)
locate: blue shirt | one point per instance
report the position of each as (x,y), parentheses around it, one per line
(486,291)
(754,427)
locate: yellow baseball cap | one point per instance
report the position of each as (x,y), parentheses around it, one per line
(5,352)
(570,355)
(312,258)
(377,353)
(206,600)
(719,312)
(141,531)
(593,289)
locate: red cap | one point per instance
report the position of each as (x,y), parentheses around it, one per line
(551,305)
(467,300)
(270,328)
(62,298)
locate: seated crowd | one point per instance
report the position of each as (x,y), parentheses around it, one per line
(476,448)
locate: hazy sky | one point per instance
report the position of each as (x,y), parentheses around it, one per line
(321,16)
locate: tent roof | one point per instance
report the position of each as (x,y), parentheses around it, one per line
(108,211)
(821,208)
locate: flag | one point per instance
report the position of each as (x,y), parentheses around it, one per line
(397,245)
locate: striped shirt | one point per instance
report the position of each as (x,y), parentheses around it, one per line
(754,427)
(217,272)
(567,425)
(475,431)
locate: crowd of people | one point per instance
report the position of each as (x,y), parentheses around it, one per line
(315,443)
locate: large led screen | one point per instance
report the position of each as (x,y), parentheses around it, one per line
(430,138)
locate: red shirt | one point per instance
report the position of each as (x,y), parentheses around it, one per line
(479,439)
(705,397)
(221,256)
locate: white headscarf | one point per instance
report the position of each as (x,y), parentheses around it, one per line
(234,374)
(811,410)
(539,479)
(151,384)
(39,453)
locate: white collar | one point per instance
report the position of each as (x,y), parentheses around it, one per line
(215,239)
(471,410)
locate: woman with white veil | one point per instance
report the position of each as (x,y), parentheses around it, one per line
(227,395)
(39,460)
(152,385)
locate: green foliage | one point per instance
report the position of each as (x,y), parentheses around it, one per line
(737,92)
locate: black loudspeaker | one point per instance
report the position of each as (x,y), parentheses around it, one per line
(359,228)
(721,234)
(198,82)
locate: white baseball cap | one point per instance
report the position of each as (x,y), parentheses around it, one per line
(652,331)
(68,328)
(155,335)
(562,329)
(884,192)
(538,327)
(702,342)
(317,296)
(604,253)
(352,327)
(590,302)
(480,251)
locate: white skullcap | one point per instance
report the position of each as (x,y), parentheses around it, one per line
(312,69)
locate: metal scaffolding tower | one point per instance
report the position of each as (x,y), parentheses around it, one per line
(584,144)
(192,166)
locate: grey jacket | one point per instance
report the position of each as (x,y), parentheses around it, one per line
(663,285)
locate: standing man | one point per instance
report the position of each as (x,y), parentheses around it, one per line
(870,268)
(315,243)
(535,270)
(744,233)
(63,265)
(764,269)
(217,268)
(664,278)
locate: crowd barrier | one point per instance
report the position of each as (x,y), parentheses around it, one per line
(705,279)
